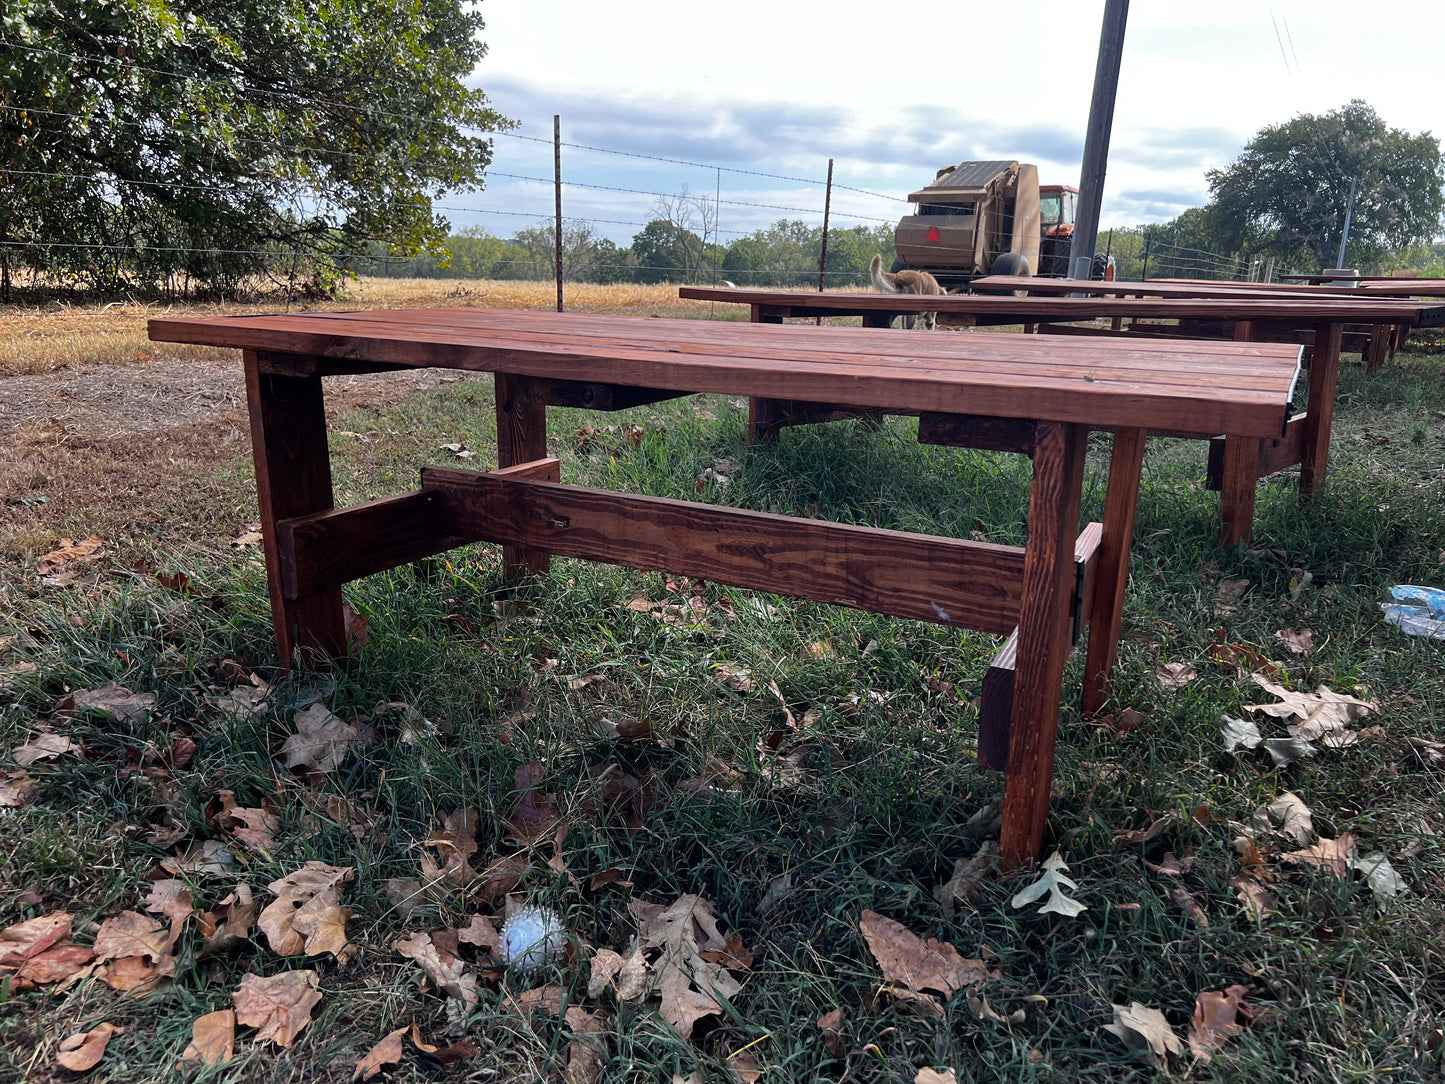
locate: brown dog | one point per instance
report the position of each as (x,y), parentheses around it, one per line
(906,282)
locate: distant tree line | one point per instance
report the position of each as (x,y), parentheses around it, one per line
(783,254)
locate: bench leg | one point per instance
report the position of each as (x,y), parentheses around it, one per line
(1319,415)
(293,478)
(521,438)
(1120,503)
(1044,637)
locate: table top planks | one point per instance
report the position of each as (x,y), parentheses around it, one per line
(1386,303)
(1202,387)
(1232,306)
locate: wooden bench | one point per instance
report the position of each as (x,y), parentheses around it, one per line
(1039,397)
(1236,463)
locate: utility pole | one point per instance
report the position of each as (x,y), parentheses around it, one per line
(557,188)
(1349,211)
(1096,142)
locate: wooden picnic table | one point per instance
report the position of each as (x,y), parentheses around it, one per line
(1236,463)
(1021,393)
(1376,339)
(1329,277)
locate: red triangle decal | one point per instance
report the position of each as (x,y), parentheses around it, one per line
(932,234)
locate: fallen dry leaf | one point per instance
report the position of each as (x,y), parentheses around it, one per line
(1324,714)
(172,898)
(213,1038)
(321,741)
(1333,856)
(534,815)
(1052,881)
(252,827)
(1287,815)
(1145,1032)
(132,934)
(908,960)
(1299,641)
(1384,881)
(1214,1020)
(1256,900)
(1243,657)
(546,1000)
(44,747)
(455,843)
(33,936)
(228,927)
(734,677)
(306,914)
(688,984)
(1228,593)
(831,1025)
(67,552)
(110,699)
(587,1052)
(387,1052)
(55,965)
(933,1076)
(1174,675)
(462,1048)
(279,1007)
(447,972)
(968,875)
(17,789)
(84,1049)
(1190,906)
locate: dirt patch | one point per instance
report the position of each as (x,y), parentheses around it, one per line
(120,450)
(102,401)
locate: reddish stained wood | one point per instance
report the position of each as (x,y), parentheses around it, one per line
(973,431)
(1274,455)
(927,578)
(1175,301)
(333,547)
(1239,479)
(996,695)
(521,438)
(1044,637)
(1189,386)
(293,478)
(1120,503)
(1319,414)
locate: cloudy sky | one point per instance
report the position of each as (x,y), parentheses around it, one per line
(744,102)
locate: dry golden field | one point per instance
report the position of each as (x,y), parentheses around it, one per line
(45,338)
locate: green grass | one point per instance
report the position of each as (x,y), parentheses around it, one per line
(1347,988)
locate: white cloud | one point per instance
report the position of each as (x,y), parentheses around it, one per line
(892,92)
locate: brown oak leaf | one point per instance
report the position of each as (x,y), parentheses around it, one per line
(84,1049)
(278,1006)
(911,962)
(1214,1020)
(534,815)
(306,914)
(387,1052)
(213,1038)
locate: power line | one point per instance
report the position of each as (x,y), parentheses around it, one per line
(373,110)
(706,165)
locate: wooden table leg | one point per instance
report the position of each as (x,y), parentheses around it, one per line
(1240,476)
(293,478)
(1120,503)
(1238,482)
(1044,637)
(521,438)
(1319,414)
(764,415)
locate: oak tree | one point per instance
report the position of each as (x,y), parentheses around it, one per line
(1287,193)
(211,140)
